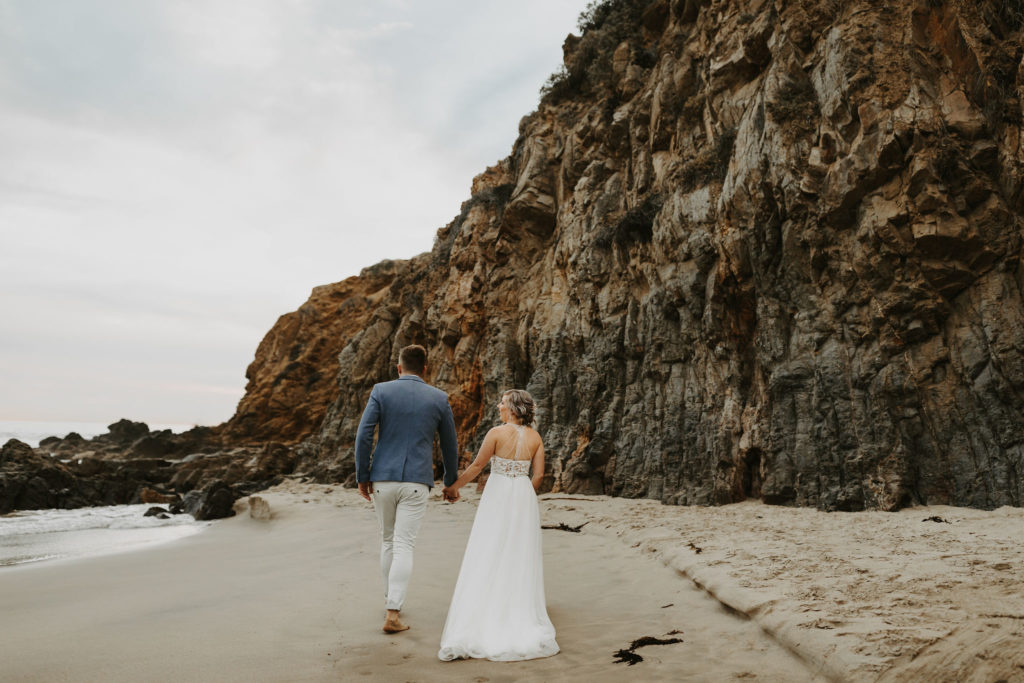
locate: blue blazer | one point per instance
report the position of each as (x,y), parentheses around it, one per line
(407,412)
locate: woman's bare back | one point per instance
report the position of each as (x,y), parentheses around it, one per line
(507,437)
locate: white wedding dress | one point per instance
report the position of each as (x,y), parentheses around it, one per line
(498,611)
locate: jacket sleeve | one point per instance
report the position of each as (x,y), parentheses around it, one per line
(364,437)
(449,445)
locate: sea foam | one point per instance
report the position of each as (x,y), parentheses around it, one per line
(36,535)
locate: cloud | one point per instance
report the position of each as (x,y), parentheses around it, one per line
(179,174)
(247,35)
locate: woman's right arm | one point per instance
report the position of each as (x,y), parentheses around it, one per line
(482,458)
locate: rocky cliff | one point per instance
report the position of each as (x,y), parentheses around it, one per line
(293,379)
(742,249)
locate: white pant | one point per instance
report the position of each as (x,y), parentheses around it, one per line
(400,506)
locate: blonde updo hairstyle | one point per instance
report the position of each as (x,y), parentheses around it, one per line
(521,405)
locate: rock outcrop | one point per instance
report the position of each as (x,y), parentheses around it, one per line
(30,481)
(33,479)
(757,249)
(120,467)
(293,377)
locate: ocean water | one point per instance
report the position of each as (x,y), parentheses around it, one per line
(34,536)
(32,432)
(38,535)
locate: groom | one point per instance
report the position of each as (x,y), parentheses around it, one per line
(399,472)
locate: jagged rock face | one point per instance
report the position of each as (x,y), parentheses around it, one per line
(777,256)
(293,378)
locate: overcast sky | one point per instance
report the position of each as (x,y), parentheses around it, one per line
(177,174)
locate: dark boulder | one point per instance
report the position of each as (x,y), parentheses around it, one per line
(126,431)
(214,501)
(155,445)
(15,450)
(69,445)
(155,511)
(90,467)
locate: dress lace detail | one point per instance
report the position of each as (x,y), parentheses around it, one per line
(509,467)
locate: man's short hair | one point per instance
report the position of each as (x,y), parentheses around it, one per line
(413,359)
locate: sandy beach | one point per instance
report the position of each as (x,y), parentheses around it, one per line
(924,594)
(772,594)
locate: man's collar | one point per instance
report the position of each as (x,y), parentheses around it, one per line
(411,376)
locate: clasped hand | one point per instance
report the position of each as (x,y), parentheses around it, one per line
(450,494)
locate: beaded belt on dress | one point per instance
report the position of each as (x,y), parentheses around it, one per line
(510,468)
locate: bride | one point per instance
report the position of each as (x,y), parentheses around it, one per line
(498,610)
